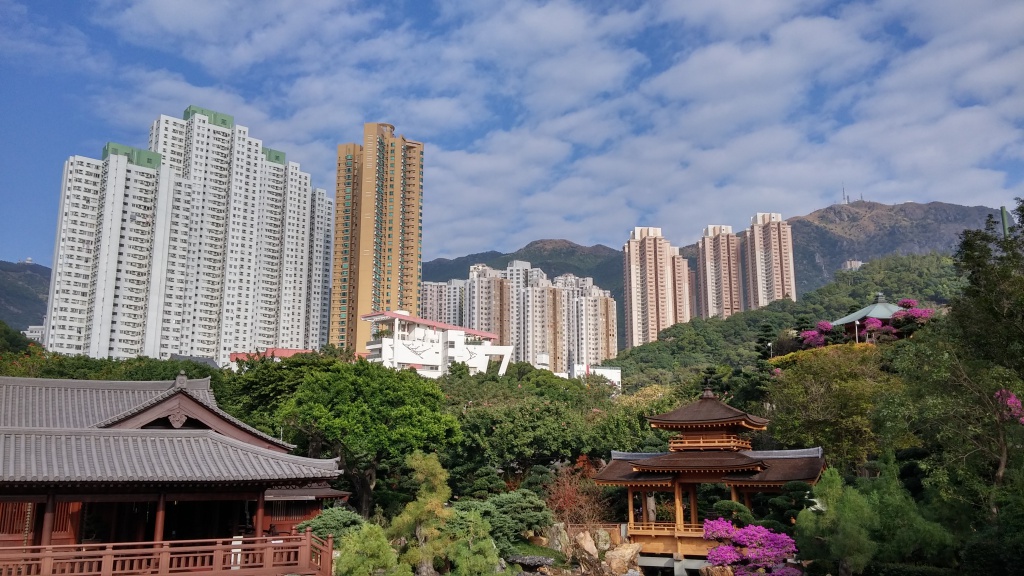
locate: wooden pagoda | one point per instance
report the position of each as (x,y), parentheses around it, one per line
(709,448)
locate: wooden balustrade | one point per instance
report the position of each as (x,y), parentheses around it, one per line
(665,528)
(716,442)
(262,556)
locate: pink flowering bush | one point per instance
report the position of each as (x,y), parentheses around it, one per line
(1012,408)
(749,550)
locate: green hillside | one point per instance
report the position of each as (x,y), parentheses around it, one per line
(24,289)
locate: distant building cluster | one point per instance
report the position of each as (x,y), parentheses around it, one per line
(209,243)
(564,325)
(734,272)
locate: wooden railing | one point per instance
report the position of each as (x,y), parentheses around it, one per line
(665,529)
(263,556)
(703,442)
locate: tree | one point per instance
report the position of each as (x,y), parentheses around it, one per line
(826,397)
(423,520)
(838,531)
(365,551)
(332,522)
(11,340)
(364,414)
(471,550)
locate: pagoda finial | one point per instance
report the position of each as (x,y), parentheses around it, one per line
(181,380)
(708,394)
(880,298)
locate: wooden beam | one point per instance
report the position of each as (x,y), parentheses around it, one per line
(693,504)
(48,512)
(632,502)
(679,504)
(161,516)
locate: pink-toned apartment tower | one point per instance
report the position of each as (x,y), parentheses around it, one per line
(656,286)
(768,261)
(718,272)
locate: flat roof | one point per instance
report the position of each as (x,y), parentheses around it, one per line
(392,315)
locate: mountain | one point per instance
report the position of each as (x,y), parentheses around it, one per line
(822,241)
(24,289)
(554,257)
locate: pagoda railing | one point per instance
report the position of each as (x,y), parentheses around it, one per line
(666,529)
(260,556)
(711,441)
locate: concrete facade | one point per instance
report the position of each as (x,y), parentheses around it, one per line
(656,286)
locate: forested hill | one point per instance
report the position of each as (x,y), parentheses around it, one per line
(24,289)
(686,349)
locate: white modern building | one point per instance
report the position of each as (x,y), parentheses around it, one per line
(206,244)
(404,341)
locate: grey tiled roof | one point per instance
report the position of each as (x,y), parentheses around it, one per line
(54,403)
(51,403)
(39,455)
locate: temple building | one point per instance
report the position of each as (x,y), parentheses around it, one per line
(109,478)
(710,447)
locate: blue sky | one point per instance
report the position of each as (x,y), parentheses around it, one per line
(560,119)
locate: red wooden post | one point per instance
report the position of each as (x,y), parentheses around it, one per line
(306,548)
(161,514)
(48,512)
(260,505)
(165,558)
(107,565)
(46,562)
(327,560)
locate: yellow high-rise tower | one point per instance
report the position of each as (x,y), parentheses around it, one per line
(378,232)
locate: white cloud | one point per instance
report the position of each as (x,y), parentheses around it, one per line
(582,120)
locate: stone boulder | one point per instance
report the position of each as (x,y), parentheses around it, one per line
(622,559)
(559,538)
(602,540)
(539,541)
(530,563)
(586,543)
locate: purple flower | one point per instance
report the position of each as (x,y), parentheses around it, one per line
(720,529)
(723,555)
(907,303)
(824,326)
(872,324)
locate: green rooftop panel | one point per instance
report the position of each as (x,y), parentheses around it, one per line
(136,156)
(215,118)
(275,156)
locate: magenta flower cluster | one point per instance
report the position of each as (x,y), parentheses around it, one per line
(907,303)
(813,338)
(913,314)
(1012,405)
(824,326)
(749,550)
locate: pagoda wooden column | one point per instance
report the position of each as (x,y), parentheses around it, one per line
(260,506)
(693,504)
(746,499)
(643,506)
(679,504)
(733,494)
(48,513)
(632,502)
(161,517)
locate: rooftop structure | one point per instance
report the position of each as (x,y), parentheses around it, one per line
(402,340)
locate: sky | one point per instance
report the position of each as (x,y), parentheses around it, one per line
(559,119)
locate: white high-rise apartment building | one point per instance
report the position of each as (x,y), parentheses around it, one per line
(444,301)
(768,261)
(206,244)
(550,324)
(656,285)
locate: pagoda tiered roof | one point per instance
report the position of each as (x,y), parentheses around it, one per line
(707,412)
